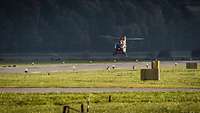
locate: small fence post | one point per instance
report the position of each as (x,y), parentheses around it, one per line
(109,98)
(82,108)
(66,108)
(88,104)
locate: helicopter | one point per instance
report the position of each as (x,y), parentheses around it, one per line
(121,45)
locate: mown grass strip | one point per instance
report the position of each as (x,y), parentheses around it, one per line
(180,78)
(121,102)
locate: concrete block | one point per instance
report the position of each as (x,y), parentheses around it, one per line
(191,65)
(150,74)
(155,64)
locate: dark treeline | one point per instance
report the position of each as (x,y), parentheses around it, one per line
(78,25)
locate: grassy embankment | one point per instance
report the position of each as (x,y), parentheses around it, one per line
(170,78)
(138,102)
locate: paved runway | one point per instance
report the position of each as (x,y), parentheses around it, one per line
(83,66)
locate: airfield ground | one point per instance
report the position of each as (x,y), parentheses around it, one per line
(96,75)
(40,92)
(41,68)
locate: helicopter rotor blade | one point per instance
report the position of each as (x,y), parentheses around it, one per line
(135,39)
(115,38)
(108,36)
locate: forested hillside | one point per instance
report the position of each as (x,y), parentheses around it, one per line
(79,25)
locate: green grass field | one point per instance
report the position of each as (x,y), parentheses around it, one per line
(138,102)
(170,78)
